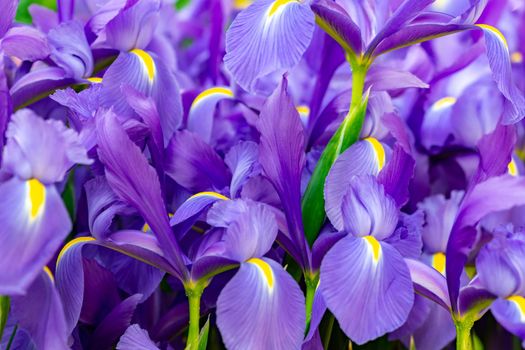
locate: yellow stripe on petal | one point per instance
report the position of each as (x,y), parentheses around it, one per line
(304,110)
(439,262)
(516,57)
(72,243)
(211,194)
(519,301)
(147,61)
(379,151)
(211,92)
(95,80)
(277,4)
(49,274)
(495,31)
(265,268)
(374,245)
(36,193)
(444,102)
(512,168)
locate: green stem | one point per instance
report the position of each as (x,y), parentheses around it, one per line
(12,337)
(4,312)
(463,336)
(194,293)
(358,85)
(311,280)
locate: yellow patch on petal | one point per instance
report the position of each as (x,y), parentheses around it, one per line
(72,243)
(211,92)
(265,268)
(374,245)
(49,274)
(439,262)
(304,110)
(513,168)
(516,57)
(210,193)
(379,150)
(444,102)
(241,4)
(519,301)
(277,4)
(36,193)
(495,31)
(95,80)
(147,61)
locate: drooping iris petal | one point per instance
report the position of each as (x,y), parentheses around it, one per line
(150,76)
(496,151)
(242,159)
(135,182)
(281,154)
(136,338)
(500,266)
(366,157)
(195,205)
(35,222)
(194,164)
(510,313)
(133,27)
(41,314)
(5,101)
(495,194)
(42,149)
(339,25)
(261,307)
(367,210)
(26,43)
(269,36)
(361,276)
(202,110)
(70,49)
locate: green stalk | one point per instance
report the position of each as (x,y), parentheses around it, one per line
(463,336)
(311,281)
(4,311)
(346,135)
(194,294)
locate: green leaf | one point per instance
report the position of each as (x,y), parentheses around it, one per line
(68,195)
(22,13)
(203,336)
(4,311)
(313,201)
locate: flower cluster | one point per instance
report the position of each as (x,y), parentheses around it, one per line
(262,174)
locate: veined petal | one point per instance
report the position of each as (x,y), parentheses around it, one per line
(365,277)
(242,159)
(41,314)
(126,173)
(261,307)
(195,205)
(269,36)
(148,75)
(8,16)
(367,210)
(429,282)
(194,164)
(41,149)
(397,174)
(510,313)
(336,22)
(136,338)
(202,110)
(365,157)
(281,154)
(26,43)
(35,222)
